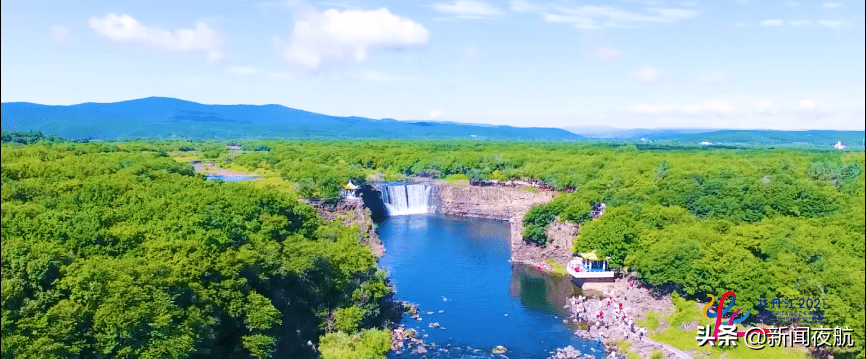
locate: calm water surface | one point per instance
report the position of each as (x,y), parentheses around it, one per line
(228,178)
(460,266)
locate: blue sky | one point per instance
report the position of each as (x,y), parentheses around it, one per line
(649,64)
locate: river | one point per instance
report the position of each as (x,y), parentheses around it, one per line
(460,266)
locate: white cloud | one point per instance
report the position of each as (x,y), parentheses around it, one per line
(435,113)
(125,28)
(58,33)
(243,70)
(714,78)
(333,36)
(596,17)
(834,24)
(764,106)
(468,9)
(524,6)
(792,3)
(646,74)
(689,3)
(774,22)
(471,52)
(800,22)
(831,5)
(808,103)
(608,53)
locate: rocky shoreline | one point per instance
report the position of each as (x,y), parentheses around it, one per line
(614,313)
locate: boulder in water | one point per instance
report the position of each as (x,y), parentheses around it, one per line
(499,349)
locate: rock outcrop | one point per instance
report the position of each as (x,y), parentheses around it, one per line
(503,203)
(613,314)
(352,212)
(509,204)
(570,353)
(560,240)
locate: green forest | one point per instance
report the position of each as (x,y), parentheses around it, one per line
(118,249)
(113,250)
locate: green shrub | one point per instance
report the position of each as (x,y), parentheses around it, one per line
(369,344)
(348,319)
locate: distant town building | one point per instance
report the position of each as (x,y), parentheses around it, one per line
(840,146)
(705,143)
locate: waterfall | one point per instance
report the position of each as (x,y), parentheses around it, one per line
(403,199)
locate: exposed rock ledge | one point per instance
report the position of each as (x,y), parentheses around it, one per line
(351,212)
(509,204)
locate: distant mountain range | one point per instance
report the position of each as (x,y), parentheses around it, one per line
(159,117)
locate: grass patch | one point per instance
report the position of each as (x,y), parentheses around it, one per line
(184,157)
(624,348)
(688,311)
(651,321)
(457,177)
(558,269)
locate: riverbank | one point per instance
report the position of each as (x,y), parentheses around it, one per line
(509,204)
(613,315)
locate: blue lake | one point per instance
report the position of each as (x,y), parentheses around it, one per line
(228,178)
(461,267)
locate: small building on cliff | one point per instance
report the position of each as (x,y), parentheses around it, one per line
(349,190)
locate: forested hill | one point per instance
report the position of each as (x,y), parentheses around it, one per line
(159,117)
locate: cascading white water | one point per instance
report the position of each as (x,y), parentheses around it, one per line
(403,199)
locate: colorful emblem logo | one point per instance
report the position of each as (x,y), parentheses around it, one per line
(720,312)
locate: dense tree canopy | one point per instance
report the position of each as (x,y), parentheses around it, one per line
(112,251)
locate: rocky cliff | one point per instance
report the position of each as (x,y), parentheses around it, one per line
(352,212)
(560,239)
(509,204)
(503,203)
